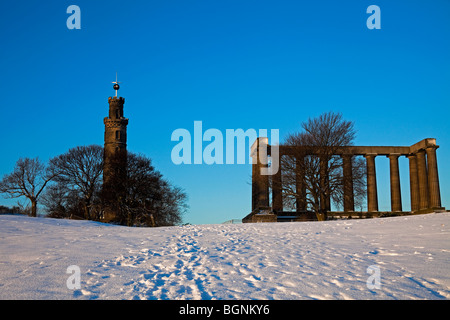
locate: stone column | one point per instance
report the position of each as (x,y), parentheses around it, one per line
(413,182)
(433,179)
(300,184)
(372,197)
(325,199)
(349,203)
(396,197)
(260,183)
(423,179)
(277,197)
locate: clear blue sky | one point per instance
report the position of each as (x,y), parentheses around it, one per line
(230,64)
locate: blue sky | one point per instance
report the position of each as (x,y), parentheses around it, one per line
(230,64)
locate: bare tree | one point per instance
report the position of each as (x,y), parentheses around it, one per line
(312,173)
(144,198)
(62,202)
(139,197)
(28,179)
(150,199)
(78,174)
(171,205)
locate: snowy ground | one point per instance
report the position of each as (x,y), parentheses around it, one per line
(302,260)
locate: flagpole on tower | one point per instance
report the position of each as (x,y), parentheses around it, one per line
(116,85)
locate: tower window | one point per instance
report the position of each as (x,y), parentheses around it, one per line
(117,135)
(117,113)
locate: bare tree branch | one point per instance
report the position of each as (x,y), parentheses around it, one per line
(320,170)
(80,170)
(28,179)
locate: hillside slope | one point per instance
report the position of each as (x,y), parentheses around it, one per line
(299,260)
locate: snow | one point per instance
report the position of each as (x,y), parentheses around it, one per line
(292,260)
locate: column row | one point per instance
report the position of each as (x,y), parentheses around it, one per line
(424,181)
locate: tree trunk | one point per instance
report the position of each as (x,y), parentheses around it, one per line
(129,218)
(322,215)
(86,211)
(152,219)
(33,208)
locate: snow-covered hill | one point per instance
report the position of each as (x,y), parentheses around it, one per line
(410,256)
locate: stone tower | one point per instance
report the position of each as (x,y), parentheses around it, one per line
(115,155)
